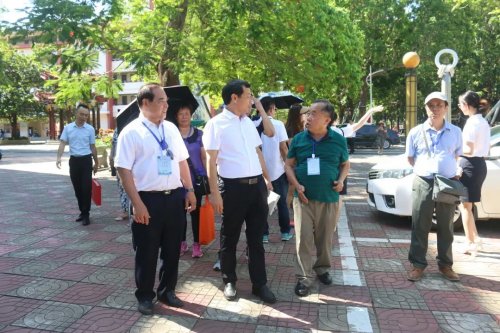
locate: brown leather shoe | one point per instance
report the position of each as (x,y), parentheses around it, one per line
(448,273)
(415,274)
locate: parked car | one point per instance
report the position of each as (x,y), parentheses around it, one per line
(366,136)
(389,185)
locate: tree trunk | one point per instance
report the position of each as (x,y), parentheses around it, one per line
(13,126)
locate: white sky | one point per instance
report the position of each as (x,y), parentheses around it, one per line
(11,5)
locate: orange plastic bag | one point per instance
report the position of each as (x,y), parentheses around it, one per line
(207,223)
(96,192)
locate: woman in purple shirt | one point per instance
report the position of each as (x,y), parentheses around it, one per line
(197,165)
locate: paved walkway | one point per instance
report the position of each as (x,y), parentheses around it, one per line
(58,276)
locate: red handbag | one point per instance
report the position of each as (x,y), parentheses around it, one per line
(207,223)
(96,192)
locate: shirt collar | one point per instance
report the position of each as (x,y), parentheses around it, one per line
(446,126)
(229,115)
(145,120)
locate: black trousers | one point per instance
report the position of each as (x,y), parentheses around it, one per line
(243,203)
(80,172)
(163,234)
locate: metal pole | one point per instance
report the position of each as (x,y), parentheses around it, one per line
(371,87)
(445,73)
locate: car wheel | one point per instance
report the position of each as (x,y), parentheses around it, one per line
(457,220)
(387,144)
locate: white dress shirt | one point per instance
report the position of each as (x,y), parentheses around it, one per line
(236,140)
(271,150)
(138,151)
(477,131)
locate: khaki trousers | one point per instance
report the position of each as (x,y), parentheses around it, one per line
(315,224)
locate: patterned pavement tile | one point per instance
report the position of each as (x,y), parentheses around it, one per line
(451,301)
(47,232)
(194,306)
(489,283)
(9,282)
(213,326)
(388,280)
(288,259)
(208,286)
(402,320)
(13,308)
(170,324)
(102,236)
(74,233)
(202,268)
(6,248)
(25,240)
(346,295)
(109,275)
(35,267)
(489,300)
(127,238)
(73,272)
(16,329)
(452,322)
(397,299)
(479,268)
(53,242)
(7,263)
(85,293)
(285,275)
(435,281)
(377,252)
(83,245)
(122,298)
(293,315)
(5,238)
(376,233)
(335,318)
(53,316)
(41,288)
(382,265)
(94,258)
(125,262)
(28,253)
(275,329)
(116,248)
(117,228)
(105,320)
(242,310)
(62,255)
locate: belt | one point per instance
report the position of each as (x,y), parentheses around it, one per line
(246,181)
(81,156)
(166,192)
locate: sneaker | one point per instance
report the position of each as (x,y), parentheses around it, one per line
(415,274)
(217,266)
(449,274)
(265,239)
(285,236)
(197,251)
(184,247)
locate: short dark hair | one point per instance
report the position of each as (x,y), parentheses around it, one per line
(267,104)
(328,108)
(473,99)
(233,87)
(147,92)
(174,109)
(81,105)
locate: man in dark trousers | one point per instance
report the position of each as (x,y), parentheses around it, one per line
(80,137)
(233,153)
(151,160)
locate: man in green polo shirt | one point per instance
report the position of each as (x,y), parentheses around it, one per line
(316,165)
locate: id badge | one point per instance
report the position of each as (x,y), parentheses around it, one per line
(433,165)
(312,166)
(164,165)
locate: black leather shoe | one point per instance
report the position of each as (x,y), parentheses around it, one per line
(171,299)
(79,218)
(265,294)
(145,307)
(230,291)
(301,289)
(325,278)
(85,220)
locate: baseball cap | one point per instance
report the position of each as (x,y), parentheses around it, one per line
(436,95)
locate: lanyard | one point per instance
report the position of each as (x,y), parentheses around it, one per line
(163,144)
(436,142)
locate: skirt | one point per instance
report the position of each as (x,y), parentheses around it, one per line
(474,173)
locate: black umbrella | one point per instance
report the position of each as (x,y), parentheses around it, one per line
(177,96)
(282,99)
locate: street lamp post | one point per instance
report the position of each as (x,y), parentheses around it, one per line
(445,73)
(369,82)
(411,61)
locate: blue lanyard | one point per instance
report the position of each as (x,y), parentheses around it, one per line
(163,144)
(435,143)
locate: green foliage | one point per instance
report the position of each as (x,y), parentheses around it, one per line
(19,79)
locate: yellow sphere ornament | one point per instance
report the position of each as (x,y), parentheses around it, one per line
(411,60)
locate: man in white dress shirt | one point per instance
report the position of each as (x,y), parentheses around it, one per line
(151,162)
(240,192)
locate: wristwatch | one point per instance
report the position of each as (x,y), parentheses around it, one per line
(190,189)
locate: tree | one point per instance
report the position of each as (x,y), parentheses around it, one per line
(19,80)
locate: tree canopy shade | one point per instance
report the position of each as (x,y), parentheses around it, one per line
(19,78)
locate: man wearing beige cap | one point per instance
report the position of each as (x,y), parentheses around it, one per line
(432,148)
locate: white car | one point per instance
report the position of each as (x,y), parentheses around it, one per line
(389,185)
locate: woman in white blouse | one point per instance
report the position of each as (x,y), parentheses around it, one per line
(476,145)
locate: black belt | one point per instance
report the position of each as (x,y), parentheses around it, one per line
(81,156)
(246,180)
(165,192)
